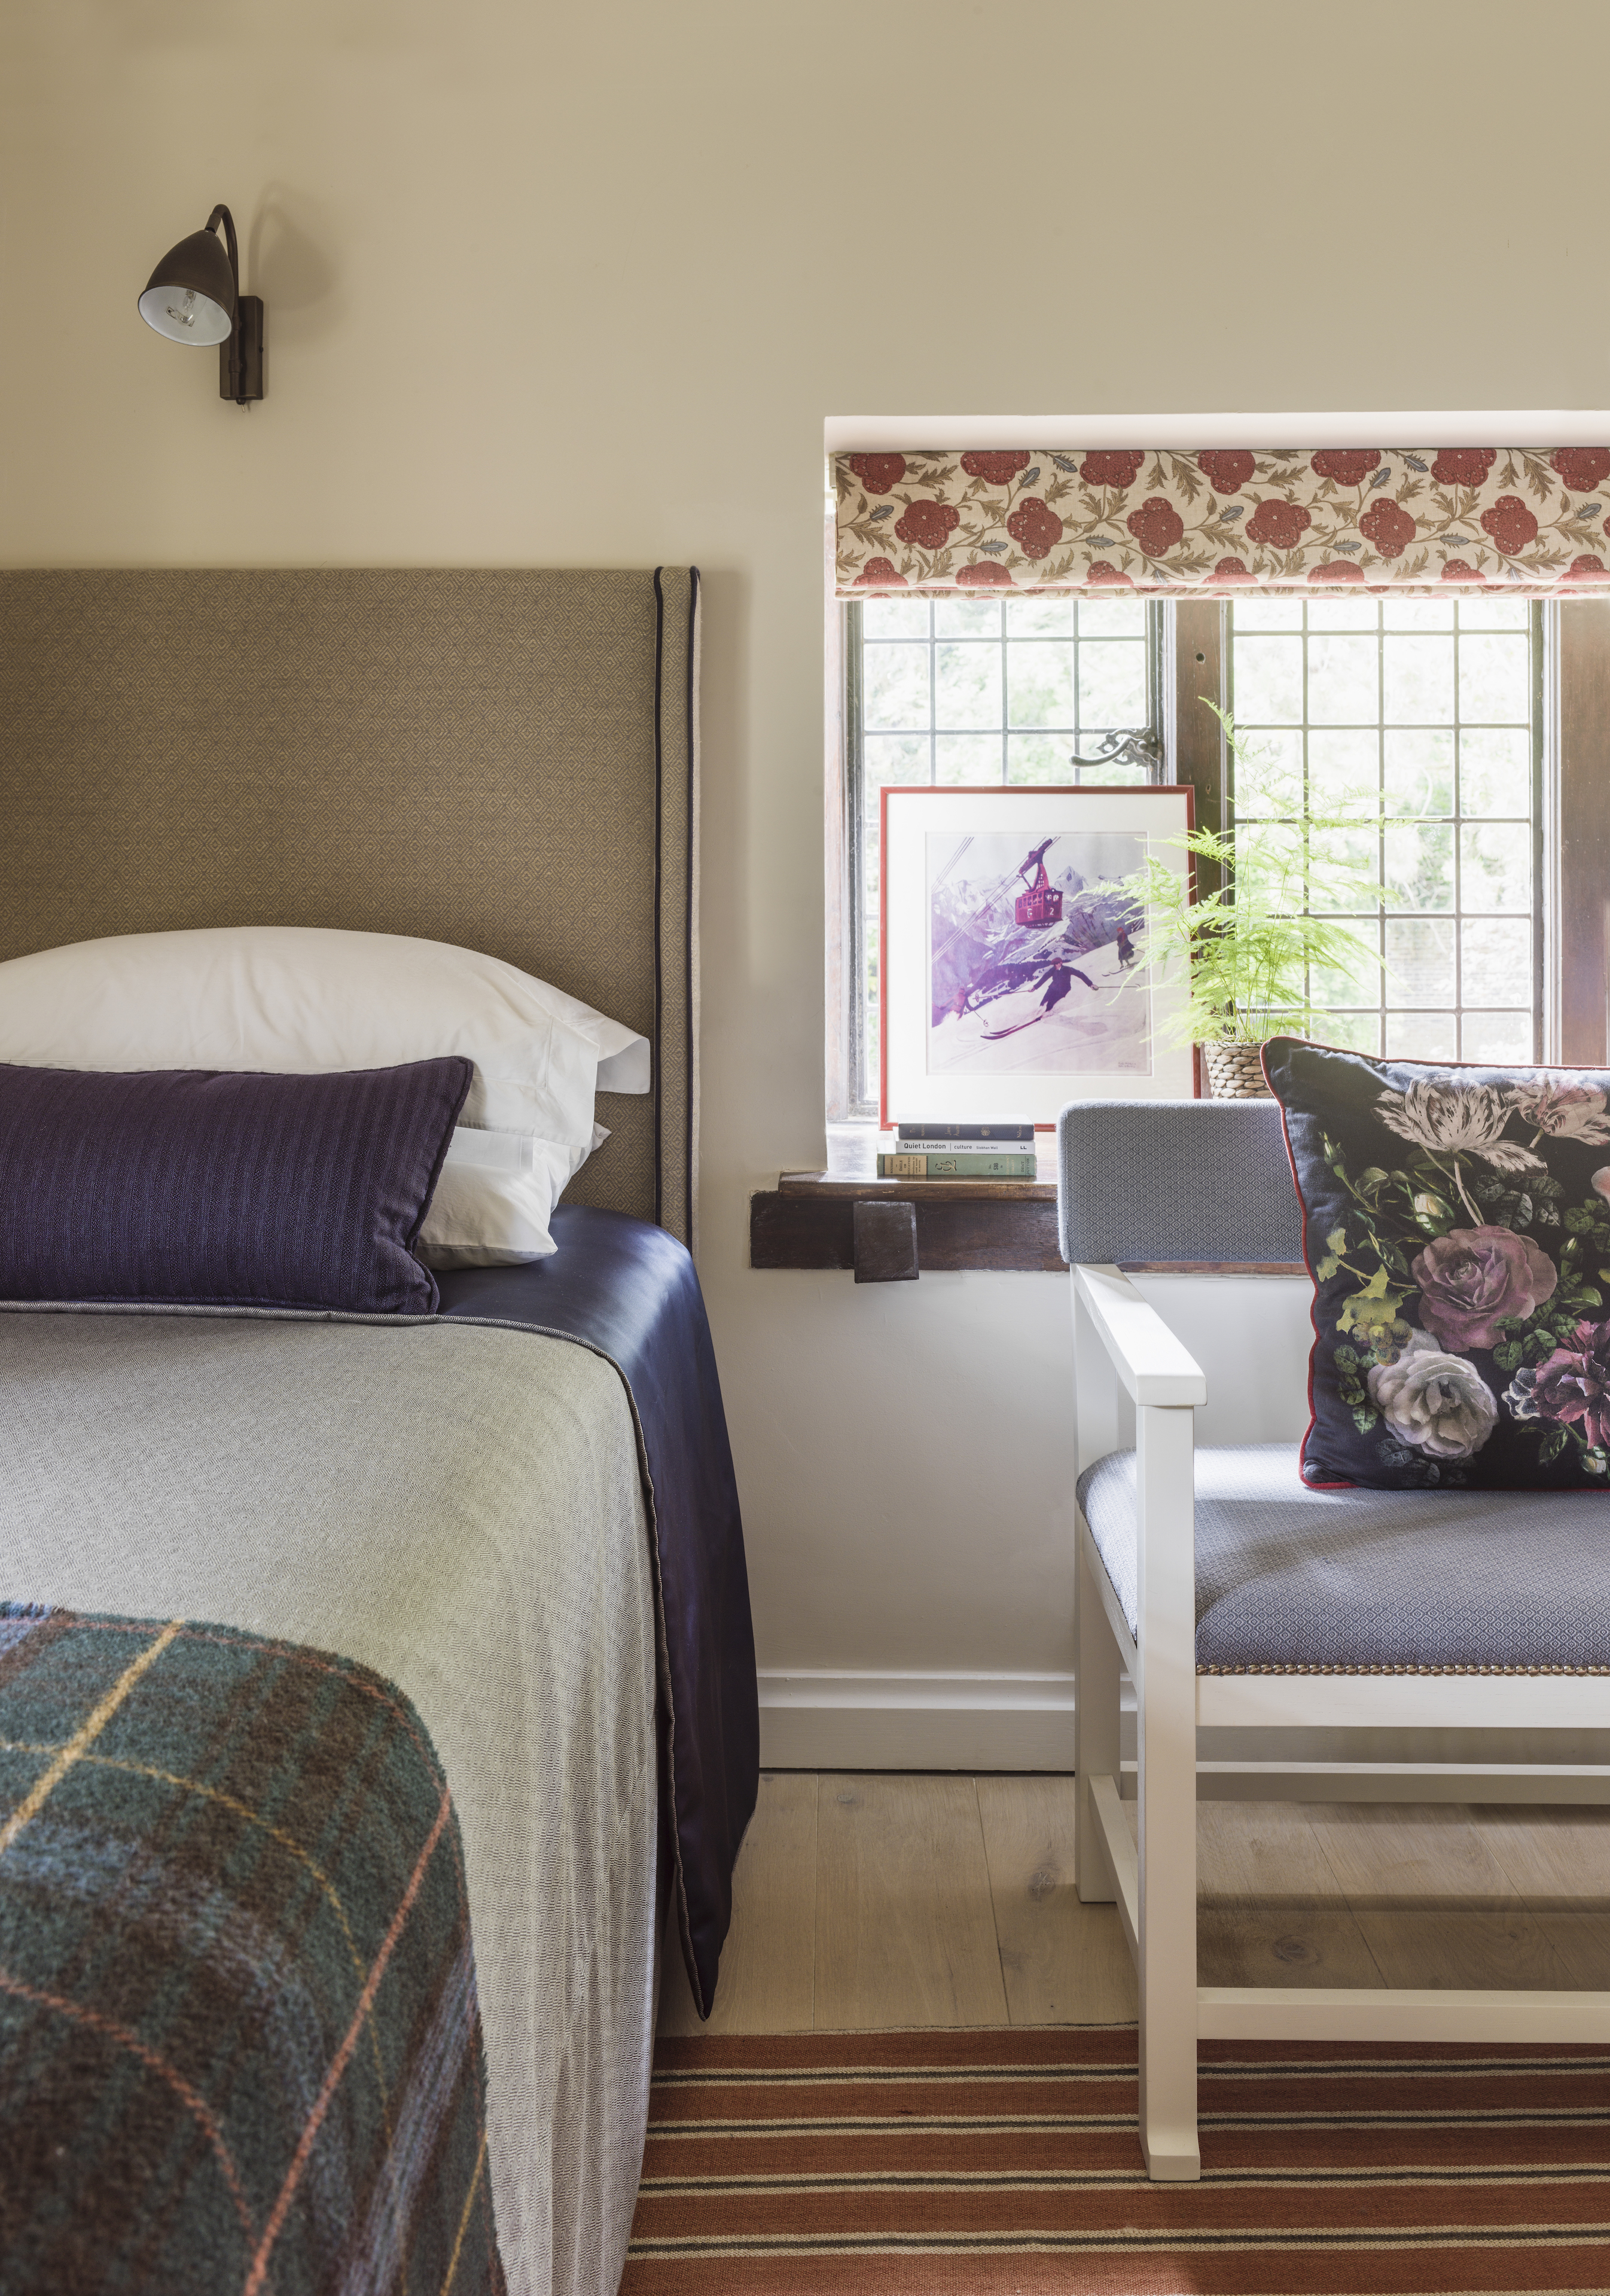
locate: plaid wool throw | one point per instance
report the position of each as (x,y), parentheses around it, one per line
(240,2045)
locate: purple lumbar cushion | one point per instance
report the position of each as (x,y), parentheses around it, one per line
(222,1189)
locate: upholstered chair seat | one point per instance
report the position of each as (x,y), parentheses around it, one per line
(1295,1581)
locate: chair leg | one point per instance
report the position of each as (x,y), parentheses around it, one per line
(1166,1718)
(1095,1721)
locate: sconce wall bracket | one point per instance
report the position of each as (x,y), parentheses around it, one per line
(240,358)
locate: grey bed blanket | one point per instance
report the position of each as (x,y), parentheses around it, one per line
(485,1546)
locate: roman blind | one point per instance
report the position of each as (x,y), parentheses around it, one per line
(1530,521)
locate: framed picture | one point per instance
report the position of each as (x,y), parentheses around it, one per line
(1009,971)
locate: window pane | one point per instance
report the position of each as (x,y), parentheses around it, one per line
(1343,675)
(1419,957)
(1417,613)
(895,618)
(1495,1037)
(894,685)
(1253,614)
(968,758)
(894,758)
(1111,617)
(966,685)
(1419,769)
(965,618)
(1268,681)
(1039,684)
(1269,760)
(1350,613)
(1419,864)
(1417,677)
(1495,960)
(1050,616)
(1111,684)
(1496,859)
(1495,769)
(1342,766)
(1495,679)
(1421,1037)
(1356,977)
(1356,1032)
(1044,758)
(1481,610)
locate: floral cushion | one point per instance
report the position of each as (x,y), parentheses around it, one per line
(1456,1225)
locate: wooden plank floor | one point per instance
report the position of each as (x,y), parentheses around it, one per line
(868,1900)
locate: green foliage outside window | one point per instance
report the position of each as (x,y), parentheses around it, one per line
(1252,946)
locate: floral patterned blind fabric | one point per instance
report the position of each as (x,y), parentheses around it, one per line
(1533,522)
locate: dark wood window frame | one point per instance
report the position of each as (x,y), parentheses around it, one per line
(808,1220)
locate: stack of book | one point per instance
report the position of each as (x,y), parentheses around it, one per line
(997,1150)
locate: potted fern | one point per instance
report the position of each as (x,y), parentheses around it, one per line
(1252,947)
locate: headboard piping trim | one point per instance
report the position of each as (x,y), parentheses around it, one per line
(659,875)
(690,977)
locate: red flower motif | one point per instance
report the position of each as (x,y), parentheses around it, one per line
(985,574)
(1120,468)
(995,470)
(1588,569)
(1277,525)
(1463,466)
(880,475)
(928,525)
(878,574)
(1103,576)
(1572,1386)
(1460,570)
(1232,569)
(1157,526)
(1349,466)
(1340,570)
(1226,468)
(1510,524)
(1388,525)
(1034,527)
(1582,467)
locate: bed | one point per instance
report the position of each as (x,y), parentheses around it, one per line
(502,1535)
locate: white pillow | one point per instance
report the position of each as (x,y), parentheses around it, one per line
(302,999)
(495,1197)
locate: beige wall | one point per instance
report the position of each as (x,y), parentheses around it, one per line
(580,285)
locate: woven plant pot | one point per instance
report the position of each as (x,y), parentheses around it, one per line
(1234,1071)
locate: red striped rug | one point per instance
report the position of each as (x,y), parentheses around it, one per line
(1007,2164)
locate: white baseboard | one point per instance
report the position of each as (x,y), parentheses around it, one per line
(823,1721)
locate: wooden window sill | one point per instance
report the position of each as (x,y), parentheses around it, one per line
(851,1184)
(809,1220)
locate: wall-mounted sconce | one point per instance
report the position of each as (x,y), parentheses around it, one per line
(195,297)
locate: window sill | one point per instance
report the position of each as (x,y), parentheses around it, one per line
(809,1220)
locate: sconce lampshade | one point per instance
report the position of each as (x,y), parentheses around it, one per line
(191,298)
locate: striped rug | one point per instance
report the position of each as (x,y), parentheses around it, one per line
(1007,2164)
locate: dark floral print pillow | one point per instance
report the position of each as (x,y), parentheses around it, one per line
(1457,1224)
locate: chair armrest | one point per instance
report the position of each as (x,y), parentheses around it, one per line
(1150,1361)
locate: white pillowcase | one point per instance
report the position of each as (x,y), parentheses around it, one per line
(495,1197)
(304,1000)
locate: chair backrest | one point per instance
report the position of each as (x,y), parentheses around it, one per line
(1176,1183)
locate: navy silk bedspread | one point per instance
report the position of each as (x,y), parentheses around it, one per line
(630,1292)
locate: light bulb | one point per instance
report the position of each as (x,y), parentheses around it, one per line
(183,314)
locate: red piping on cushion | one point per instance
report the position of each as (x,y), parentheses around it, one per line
(1313,1312)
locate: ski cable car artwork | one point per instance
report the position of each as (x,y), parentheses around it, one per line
(1041,905)
(1011,947)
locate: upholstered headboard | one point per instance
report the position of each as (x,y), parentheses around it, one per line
(504,760)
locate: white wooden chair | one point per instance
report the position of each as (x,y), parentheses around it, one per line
(1223,1626)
